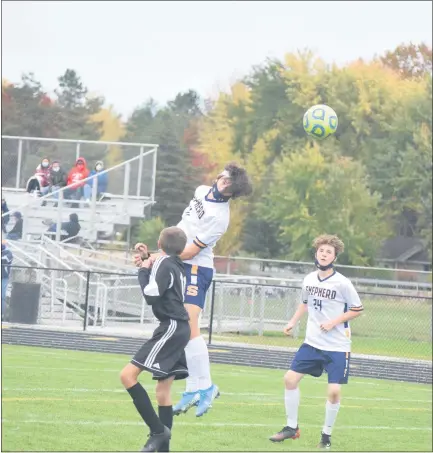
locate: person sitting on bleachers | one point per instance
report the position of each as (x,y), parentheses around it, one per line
(17,230)
(102,182)
(68,230)
(56,180)
(75,176)
(38,183)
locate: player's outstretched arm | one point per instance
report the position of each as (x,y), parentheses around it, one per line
(301,310)
(189,252)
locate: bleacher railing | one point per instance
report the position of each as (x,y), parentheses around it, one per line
(133,178)
(21,156)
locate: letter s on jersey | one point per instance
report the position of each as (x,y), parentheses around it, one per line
(192,290)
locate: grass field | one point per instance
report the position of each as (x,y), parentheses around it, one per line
(389,325)
(56,400)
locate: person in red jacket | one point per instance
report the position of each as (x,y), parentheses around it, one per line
(75,178)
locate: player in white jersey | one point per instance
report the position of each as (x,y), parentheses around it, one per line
(204,221)
(331,302)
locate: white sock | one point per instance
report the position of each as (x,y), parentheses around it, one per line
(330,417)
(197,359)
(291,400)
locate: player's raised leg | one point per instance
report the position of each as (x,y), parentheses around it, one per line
(291,401)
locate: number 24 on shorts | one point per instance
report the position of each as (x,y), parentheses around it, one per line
(192,290)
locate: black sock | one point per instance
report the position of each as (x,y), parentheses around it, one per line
(144,407)
(166,417)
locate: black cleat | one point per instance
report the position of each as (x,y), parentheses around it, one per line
(286,433)
(156,441)
(325,442)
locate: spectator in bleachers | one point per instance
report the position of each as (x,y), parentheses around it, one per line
(101,185)
(7,259)
(5,219)
(75,176)
(39,182)
(56,180)
(69,230)
(17,230)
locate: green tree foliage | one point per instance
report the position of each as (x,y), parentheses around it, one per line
(310,194)
(382,147)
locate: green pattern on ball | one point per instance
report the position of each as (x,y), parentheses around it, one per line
(320,121)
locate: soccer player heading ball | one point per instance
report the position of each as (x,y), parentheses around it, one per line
(331,302)
(204,221)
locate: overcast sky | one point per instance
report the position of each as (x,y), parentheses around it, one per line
(130,51)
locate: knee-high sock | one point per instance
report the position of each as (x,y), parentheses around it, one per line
(144,407)
(330,416)
(197,358)
(291,400)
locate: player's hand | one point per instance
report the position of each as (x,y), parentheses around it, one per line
(147,264)
(138,260)
(288,329)
(154,257)
(327,326)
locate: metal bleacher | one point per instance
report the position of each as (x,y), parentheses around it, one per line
(60,268)
(101,216)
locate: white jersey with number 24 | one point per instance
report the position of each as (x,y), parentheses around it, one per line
(328,299)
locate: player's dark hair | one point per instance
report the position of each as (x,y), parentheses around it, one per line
(241,184)
(172,240)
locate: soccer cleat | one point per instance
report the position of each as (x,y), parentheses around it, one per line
(325,442)
(156,441)
(206,398)
(188,400)
(286,433)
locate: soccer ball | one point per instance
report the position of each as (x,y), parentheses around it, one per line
(320,121)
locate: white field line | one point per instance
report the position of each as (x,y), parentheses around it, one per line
(255,396)
(216,425)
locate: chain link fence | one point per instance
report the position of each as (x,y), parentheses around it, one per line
(394,325)
(397,325)
(373,278)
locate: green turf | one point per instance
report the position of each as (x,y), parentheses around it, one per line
(56,400)
(390,326)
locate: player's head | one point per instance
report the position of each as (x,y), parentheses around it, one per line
(172,241)
(327,247)
(233,182)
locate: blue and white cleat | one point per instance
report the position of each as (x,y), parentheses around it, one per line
(206,398)
(188,400)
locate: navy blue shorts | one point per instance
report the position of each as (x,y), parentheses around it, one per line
(312,361)
(198,281)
